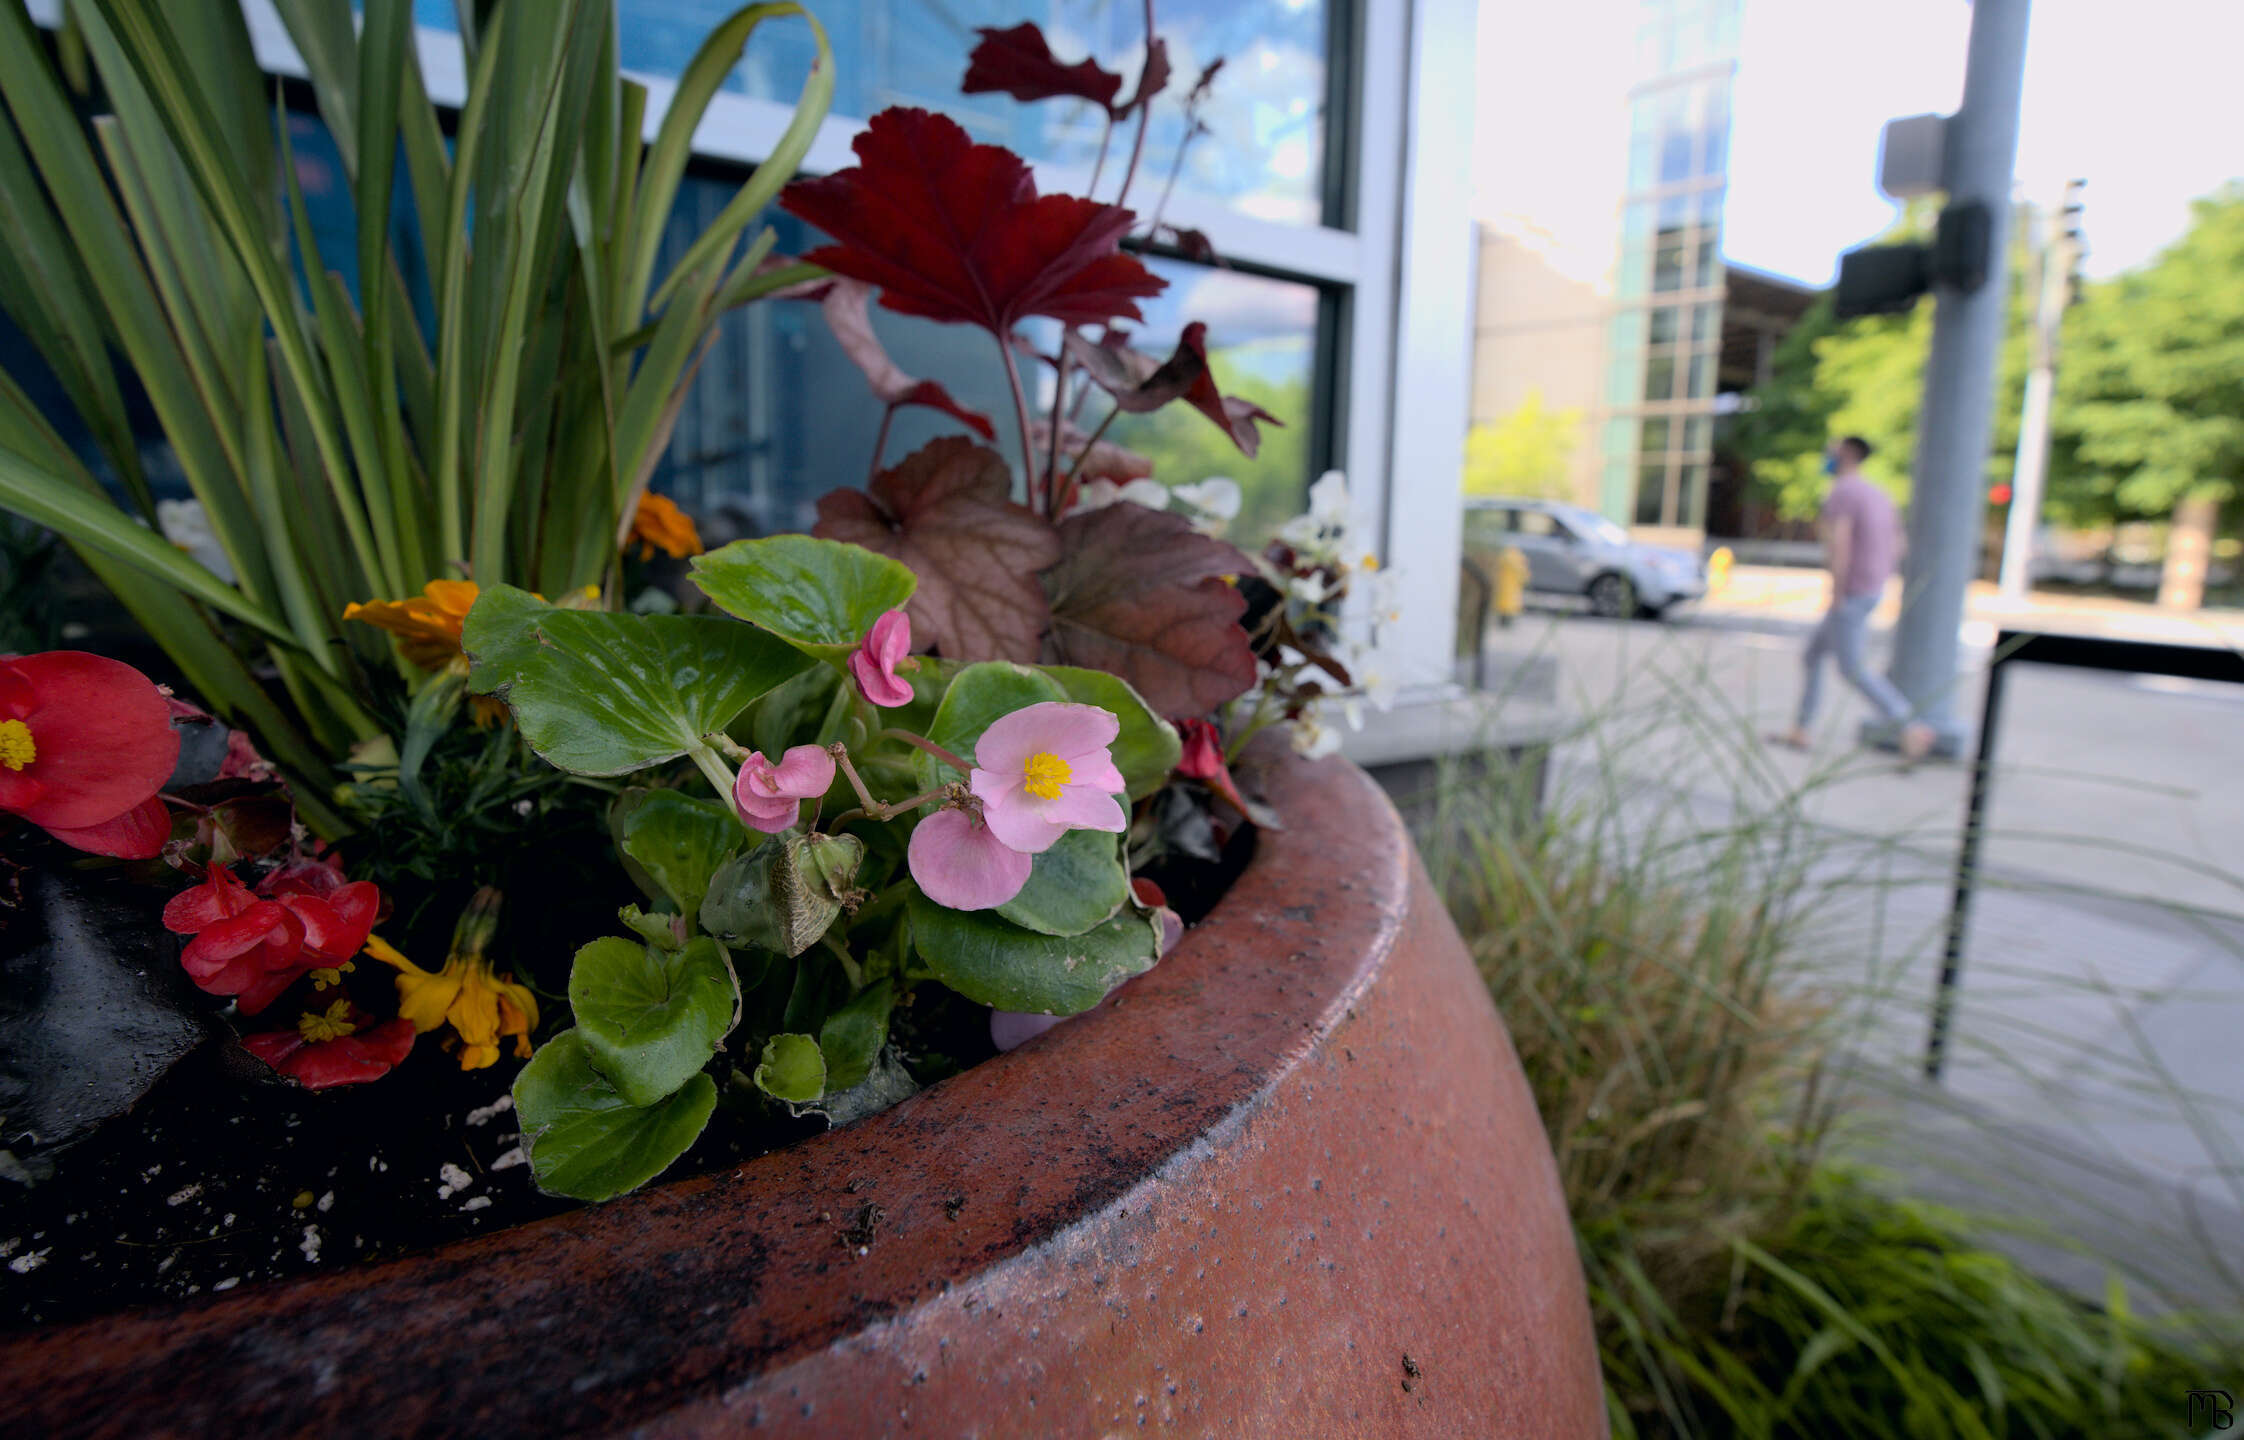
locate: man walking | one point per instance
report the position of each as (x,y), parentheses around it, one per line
(1862,540)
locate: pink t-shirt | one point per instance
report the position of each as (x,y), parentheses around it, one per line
(1875,529)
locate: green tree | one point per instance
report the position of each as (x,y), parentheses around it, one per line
(2150,397)
(1866,377)
(1524,453)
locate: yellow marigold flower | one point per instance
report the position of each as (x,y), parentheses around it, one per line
(482,1008)
(658,524)
(427,625)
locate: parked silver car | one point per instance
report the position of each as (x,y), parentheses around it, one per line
(1571,551)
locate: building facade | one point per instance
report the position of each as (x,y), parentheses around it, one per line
(1606,307)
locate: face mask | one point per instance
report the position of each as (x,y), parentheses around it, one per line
(1830,464)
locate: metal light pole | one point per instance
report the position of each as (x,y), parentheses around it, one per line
(2058,253)
(1948,498)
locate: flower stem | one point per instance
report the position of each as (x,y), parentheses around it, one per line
(1257,722)
(1145,112)
(848,961)
(880,443)
(1020,413)
(869,806)
(714,769)
(1099,164)
(1082,456)
(921,742)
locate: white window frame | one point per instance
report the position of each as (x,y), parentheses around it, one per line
(1404,268)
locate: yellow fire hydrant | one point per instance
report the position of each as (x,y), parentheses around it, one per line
(1718,569)
(1511,583)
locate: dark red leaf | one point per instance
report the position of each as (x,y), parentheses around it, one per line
(1195,244)
(1106,460)
(845,302)
(947,512)
(1138,384)
(1018,62)
(955,231)
(1142,594)
(1153,79)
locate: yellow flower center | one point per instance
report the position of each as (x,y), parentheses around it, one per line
(16,749)
(329,975)
(1044,774)
(334,1025)
(1371,562)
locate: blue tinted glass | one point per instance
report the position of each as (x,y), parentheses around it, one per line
(1264,153)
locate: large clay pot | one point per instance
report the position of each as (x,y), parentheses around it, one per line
(1290,1183)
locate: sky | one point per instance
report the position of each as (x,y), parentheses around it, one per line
(2138,98)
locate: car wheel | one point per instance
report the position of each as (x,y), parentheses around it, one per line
(1612,596)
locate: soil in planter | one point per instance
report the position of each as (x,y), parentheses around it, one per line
(222,1177)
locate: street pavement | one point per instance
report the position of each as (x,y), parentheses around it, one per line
(2094,1082)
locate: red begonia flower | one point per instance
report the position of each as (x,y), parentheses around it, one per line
(955,231)
(253,949)
(1018,62)
(352,1057)
(138,834)
(85,741)
(1202,760)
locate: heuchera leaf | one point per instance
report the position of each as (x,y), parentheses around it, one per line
(846,305)
(1152,79)
(1105,460)
(1018,62)
(947,512)
(1139,384)
(1141,594)
(955,231)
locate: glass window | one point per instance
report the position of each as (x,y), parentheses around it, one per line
(1714,158)
(1628,329)
(1695,435)
(1623,377)
(1265,155)
(1651,493)
(1655,435)
(1636,219)
(1702,376)
(1675,210)
(1710,207)
(1664,322)
(1667,265)
(1635,258)
(1262,345)
(1537,523)
(1486,529)
(1690,494)
(1675,156)
(1659,379)
(1620,437)
(1705,323)
(1616,490)
(1710,259)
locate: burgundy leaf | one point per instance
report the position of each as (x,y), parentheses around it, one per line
(1018,62)
(846,306)
(1140,593)
(1138,384)
(1194,243)
(955,231)
(946,511)
(1153,79)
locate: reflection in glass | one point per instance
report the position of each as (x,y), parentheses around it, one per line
(1262,343)
(1659,379)
(1663,325)
(1264,157)
(1651,492)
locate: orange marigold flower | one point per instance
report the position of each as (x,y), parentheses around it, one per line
(427,625)
(482,1007)
(658,524)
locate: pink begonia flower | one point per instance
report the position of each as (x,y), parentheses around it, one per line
(1045,770)
(768,795)
(1010,1029)
(874,662)
(958,863)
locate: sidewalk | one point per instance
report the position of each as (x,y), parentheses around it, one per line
(1770,592)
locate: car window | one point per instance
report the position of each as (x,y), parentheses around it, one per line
(1487,527)
(1539,522)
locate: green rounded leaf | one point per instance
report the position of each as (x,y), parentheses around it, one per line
(1074,886)
(598,693)
(586,1141)
(819,596)
(793,1069)
(1148,748)
(978,696)
(650,1018)
(852,1036)
(680,841)
(995,962)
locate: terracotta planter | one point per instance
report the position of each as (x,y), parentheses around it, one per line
(1289,1183)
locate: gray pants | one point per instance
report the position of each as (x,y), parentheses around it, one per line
(1841,635)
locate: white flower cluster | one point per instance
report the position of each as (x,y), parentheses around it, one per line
(1334,562)
(1209,504)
